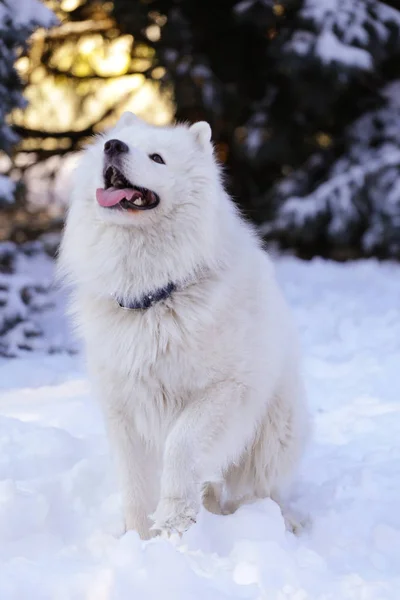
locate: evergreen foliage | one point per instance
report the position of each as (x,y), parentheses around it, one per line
(18,19)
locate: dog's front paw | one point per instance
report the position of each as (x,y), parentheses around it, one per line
(295,522)
(174,515)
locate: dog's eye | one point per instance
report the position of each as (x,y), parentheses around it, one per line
(157,158)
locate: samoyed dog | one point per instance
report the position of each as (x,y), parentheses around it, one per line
(190,344)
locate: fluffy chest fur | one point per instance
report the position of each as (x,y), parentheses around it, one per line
(154,361)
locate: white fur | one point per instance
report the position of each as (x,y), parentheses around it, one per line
(201,393)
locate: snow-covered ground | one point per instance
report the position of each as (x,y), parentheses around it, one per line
(59,505)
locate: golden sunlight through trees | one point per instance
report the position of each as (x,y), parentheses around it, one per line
(81,75)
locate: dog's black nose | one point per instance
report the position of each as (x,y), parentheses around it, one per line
(115,147)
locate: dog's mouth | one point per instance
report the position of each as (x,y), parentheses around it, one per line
(121,193)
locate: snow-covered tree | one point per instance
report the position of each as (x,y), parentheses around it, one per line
(29,303)
(354,209)
(346,201)
(18,19)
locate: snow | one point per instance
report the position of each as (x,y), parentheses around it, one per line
(244,6)
(26,12)
(345,31)
(60,522)
(31,305)
(7,189)
(330,49)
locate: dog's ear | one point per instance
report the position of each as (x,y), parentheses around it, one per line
(202,133)
(127,118)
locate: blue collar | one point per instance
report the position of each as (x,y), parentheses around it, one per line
(148,300)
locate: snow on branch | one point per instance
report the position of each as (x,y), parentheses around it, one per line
(336,197)
(354,33)
(7,189)
(25,14)
(18,19)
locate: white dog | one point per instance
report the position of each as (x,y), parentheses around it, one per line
(190,344)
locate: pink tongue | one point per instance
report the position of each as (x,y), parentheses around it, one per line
(111,196)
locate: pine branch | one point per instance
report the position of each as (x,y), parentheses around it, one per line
(72,134)
(41,155)
(26,132)
(74,29)
(95,77)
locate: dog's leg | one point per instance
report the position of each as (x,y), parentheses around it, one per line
(295,522)
(210,432)
(137,470)
(212,498)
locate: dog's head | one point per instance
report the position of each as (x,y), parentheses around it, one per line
(140,173)
(147,205)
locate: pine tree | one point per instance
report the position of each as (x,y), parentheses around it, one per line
(345,202)
(352,207)
(283,84)
(18,19)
